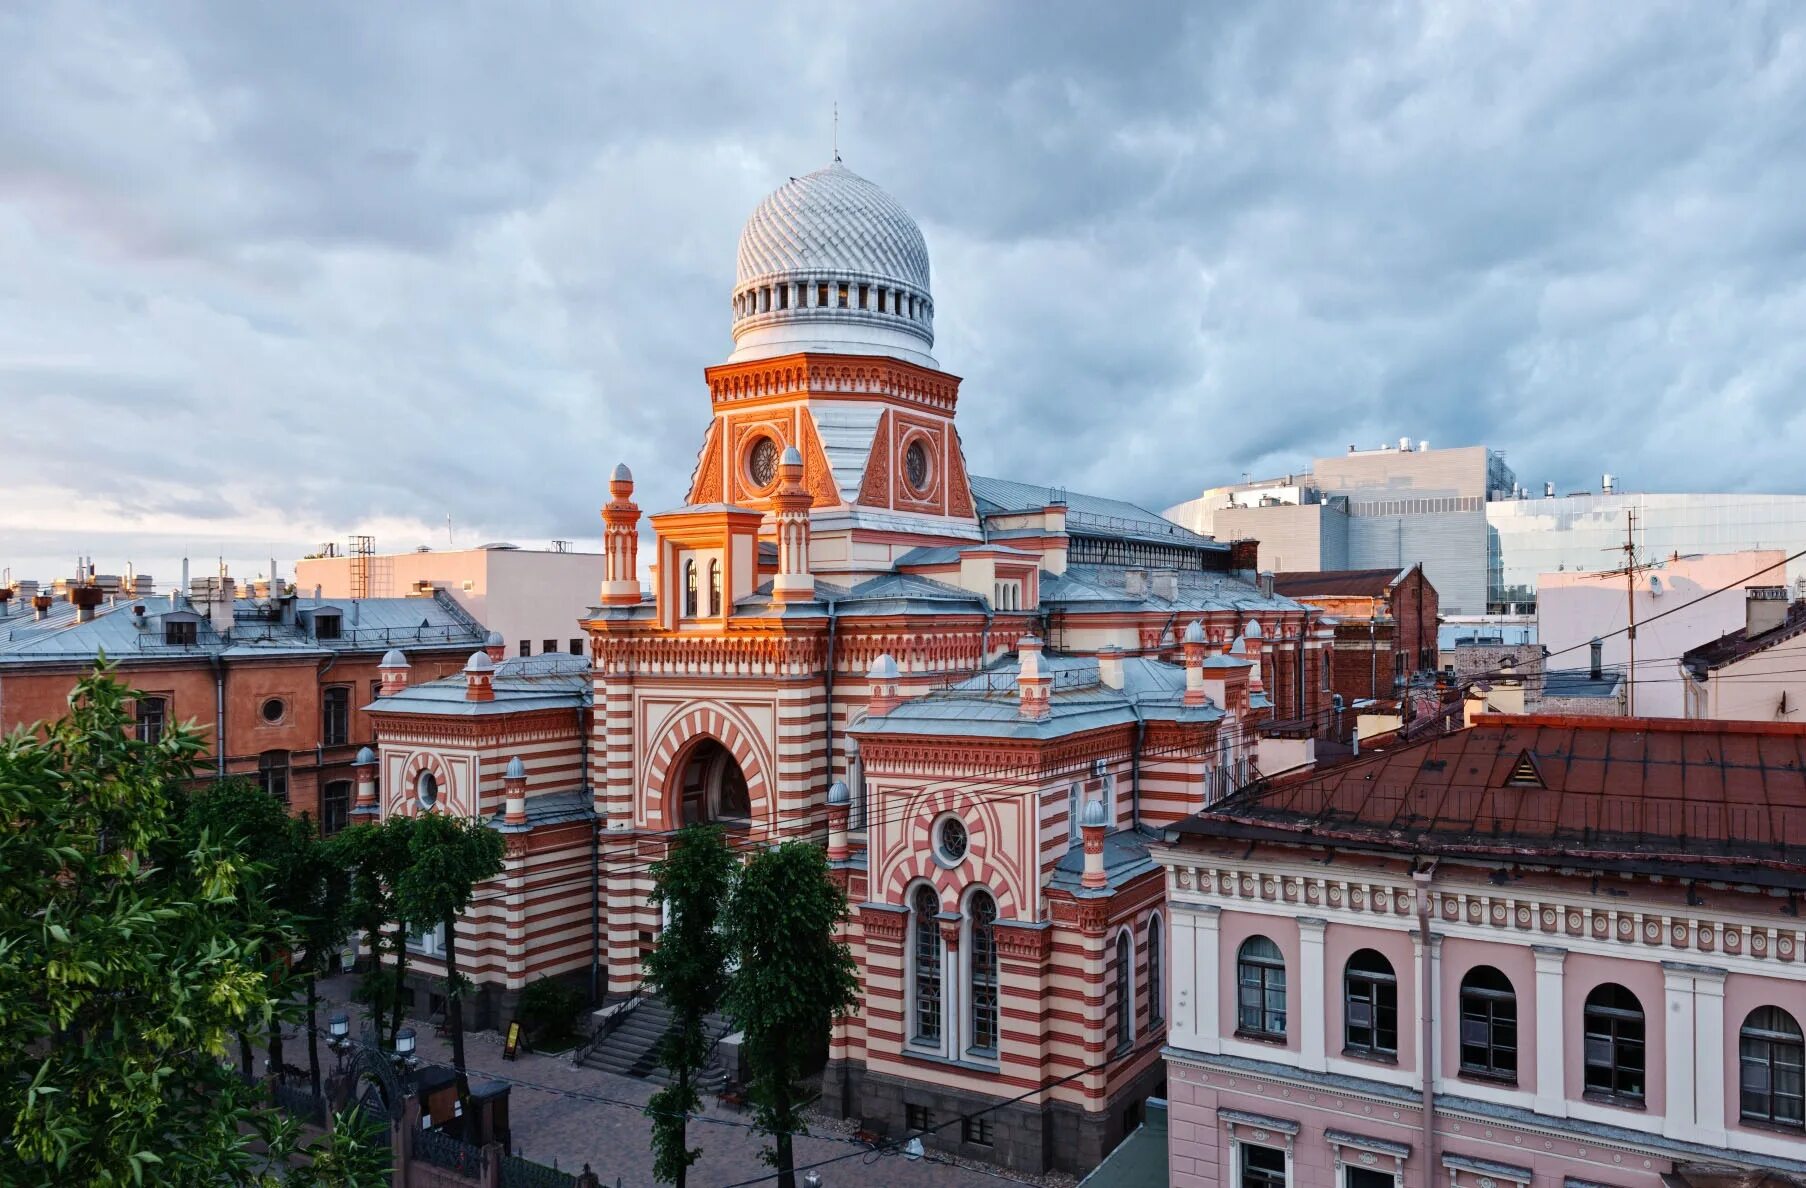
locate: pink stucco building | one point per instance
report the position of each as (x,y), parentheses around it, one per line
(1590,927)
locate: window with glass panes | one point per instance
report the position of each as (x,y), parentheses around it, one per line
(1772,1054)
(1156,1008)
(927,954)
(335,716)
(1263,1167)
(1366,1177)
(1370,1006)
(1125,990)
(983,912)
(1613,1022)
(1261,989)
(335,807)
(152,714)
(1489,1025)
(272,774)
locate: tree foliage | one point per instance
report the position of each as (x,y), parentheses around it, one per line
(793,979)
(124,963)
(353,1153)
(689,970)
(447,857)
(377,856)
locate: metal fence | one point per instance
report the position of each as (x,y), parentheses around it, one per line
(524,1173)
(443,1150)
(298,1100)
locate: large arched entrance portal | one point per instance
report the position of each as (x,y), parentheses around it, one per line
(711,786)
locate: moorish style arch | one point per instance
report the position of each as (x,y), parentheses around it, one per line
(680,739)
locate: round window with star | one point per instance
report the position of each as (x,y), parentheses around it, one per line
(762,463)
(950,841)
(916,466)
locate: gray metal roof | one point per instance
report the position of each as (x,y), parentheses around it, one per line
(1125,858)
(365,625)
(1580,682)
(1088,515)
(1105,587)
(553,808)
(987,704)
(550,680)
(834,221)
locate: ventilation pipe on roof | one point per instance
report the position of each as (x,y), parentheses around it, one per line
(1596,667)
(1548,490)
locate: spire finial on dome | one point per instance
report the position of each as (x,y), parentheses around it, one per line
(837,131)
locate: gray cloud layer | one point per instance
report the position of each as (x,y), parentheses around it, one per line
(268,270)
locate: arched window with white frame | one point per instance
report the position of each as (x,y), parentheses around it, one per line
(926,956)
(981,947)
(1123,1024)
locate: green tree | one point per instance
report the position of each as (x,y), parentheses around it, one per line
(319,897)
(124,968)
(239,811)
(351,1154)
(447,857)
(793,978)
(376,855)
(689,970)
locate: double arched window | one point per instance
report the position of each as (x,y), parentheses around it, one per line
(981,924)
(1613,1022)
(925,949)
(1772,1074)
(1370,1006)
(1260,974)
(1489,1025)
(714,586)
(954,1009)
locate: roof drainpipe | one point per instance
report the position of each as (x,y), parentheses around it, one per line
(1141,731)
(828,687)
(219,715)
(1426,1041)
(595,866)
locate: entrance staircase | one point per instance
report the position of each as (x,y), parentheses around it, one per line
(631,1048)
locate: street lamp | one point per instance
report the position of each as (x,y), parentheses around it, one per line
(404,1043)
(338,1029)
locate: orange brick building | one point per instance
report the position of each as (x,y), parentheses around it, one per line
(1384,622)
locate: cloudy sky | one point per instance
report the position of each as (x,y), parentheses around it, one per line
(271,274)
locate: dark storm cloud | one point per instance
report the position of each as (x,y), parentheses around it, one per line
(310,269)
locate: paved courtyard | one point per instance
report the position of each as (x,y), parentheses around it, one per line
(570,1116)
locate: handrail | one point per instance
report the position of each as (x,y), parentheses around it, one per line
(606,1028)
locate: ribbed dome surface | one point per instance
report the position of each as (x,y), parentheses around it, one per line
(833,221)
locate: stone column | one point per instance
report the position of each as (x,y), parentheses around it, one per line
(1551,1033)
(1311,986)
(1182,1027)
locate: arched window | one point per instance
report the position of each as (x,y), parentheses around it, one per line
(1260,974)
(926,907)
(981,911)
(1614,1042)
(1156,975)
(1773,1056)
(1125,990)
(714,586)
(690,589)
(426,789)
(1370,1006)
(1489,1025)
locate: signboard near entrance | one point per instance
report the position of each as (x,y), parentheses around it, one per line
(512,1047)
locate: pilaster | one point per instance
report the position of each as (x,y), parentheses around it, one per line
(1311,988)
(1551,1036)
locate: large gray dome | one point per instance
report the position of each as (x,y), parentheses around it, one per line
(830,262)
(832,221)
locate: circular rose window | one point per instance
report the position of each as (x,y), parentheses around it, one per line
(272,710)
(915,465)
(951,840)
(762,462)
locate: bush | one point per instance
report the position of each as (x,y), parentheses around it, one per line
(548,1013)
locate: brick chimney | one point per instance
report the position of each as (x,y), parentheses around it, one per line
(479,677)
(793,582)
(366,784)
(1109,666)
(1092,825)
(1033,682)
(394,673)
(620,541)
(1764,609)
(219,606)
(883,676)
(514,792)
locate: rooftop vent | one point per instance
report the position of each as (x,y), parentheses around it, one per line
(1525,773)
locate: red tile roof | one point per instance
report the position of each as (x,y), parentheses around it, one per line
(1615,793)
(1330,583)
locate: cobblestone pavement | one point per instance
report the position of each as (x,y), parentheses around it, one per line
(556,1117)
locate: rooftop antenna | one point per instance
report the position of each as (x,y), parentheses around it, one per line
(448,530)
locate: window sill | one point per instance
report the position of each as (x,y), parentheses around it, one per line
(1617,1100)
(1486,1078)
(1371,1057)
(947,1061)
(1261,1037)
(1791,1129)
